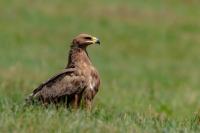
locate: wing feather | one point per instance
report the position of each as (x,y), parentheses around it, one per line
(63,83)
(65,71)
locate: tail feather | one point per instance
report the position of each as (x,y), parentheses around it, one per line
(30,99)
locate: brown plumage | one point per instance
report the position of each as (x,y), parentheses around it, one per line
(79,80)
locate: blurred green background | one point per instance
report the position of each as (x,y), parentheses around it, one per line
(149,63)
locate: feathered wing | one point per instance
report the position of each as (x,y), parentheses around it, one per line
(65,71)
(64,83)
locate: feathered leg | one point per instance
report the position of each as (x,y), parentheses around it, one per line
(87,100)
(73,101)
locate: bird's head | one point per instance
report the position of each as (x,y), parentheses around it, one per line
(83,40)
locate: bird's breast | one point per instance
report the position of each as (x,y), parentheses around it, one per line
(91,75)
(94,79)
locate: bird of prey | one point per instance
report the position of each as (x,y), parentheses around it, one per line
(79,81)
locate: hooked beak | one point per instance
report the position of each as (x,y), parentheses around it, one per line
(95,40)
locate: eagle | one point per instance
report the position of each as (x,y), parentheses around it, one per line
(77,83)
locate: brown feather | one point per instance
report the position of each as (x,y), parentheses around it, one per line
(79,78)
(65,71)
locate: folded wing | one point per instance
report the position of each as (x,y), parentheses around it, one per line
(64,83)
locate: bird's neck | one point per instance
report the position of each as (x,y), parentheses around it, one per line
(78,58)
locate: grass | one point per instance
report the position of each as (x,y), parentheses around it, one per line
(148,61)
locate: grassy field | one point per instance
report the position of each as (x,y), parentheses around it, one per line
(149,63)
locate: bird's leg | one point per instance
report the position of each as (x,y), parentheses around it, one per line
(87,100)
(62,100)
(87,105)
(73,101)
(46,103)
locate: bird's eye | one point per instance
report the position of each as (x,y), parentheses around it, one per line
(87,38)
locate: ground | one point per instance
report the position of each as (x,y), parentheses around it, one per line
(148,61)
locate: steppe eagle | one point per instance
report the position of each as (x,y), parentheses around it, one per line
(79,81)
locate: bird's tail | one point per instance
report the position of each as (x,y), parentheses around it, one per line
(29,99)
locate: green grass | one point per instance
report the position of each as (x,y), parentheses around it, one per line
(149,64)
